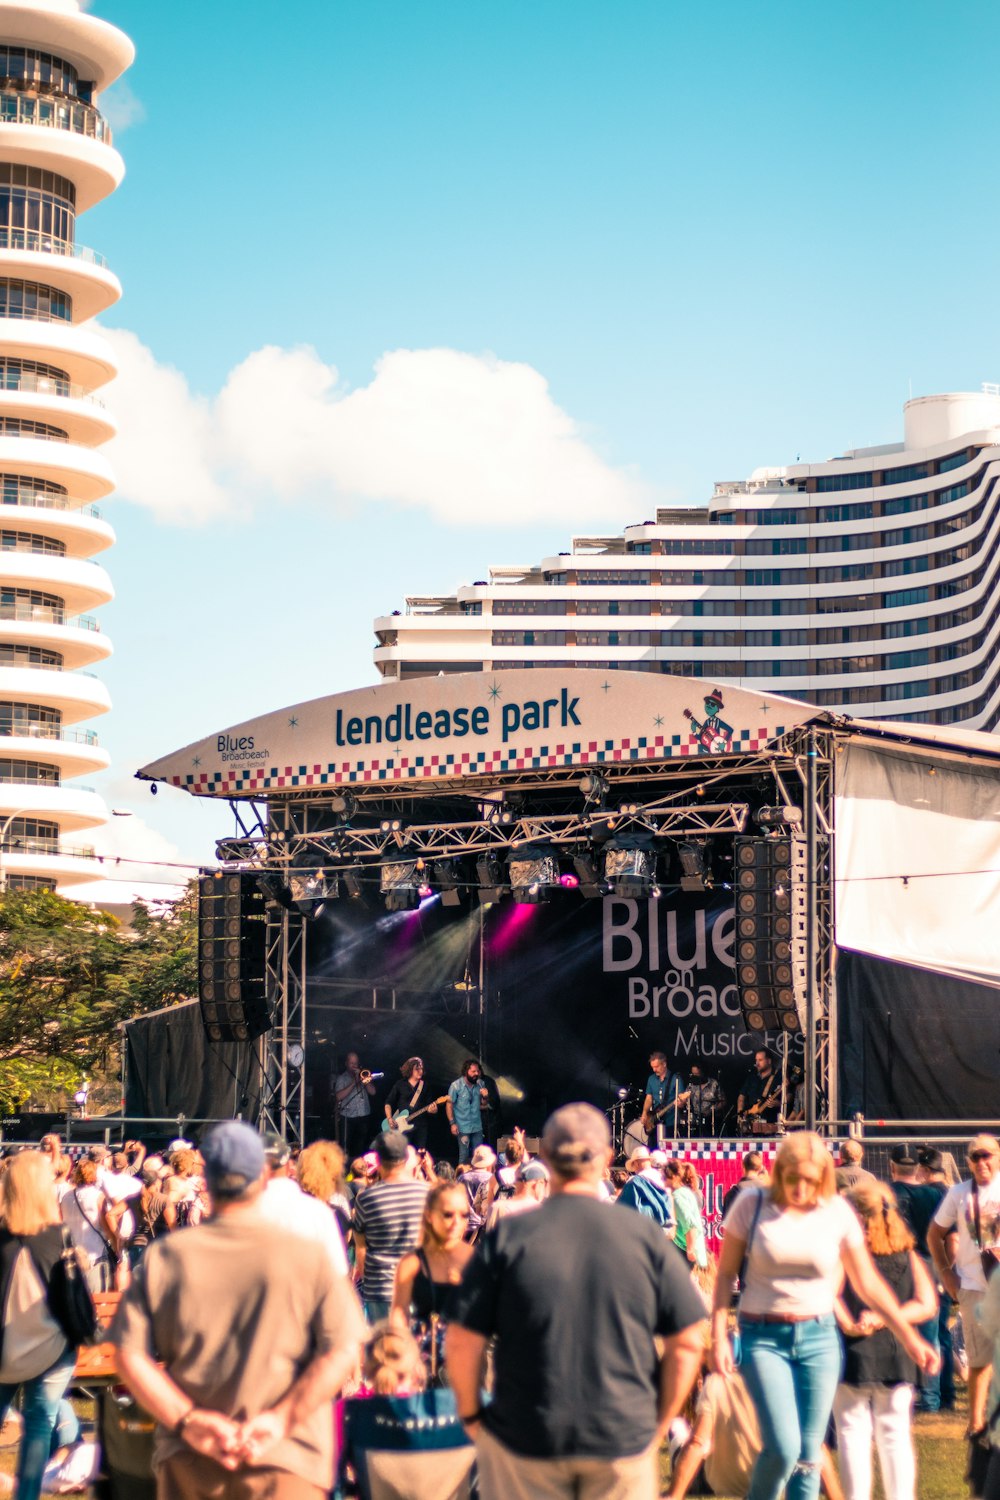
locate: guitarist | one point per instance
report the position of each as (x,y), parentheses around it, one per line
(408,1092)
(760,1096)
(663,1091)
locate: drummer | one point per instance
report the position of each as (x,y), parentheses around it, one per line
(663,1093)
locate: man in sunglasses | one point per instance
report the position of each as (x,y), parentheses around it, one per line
(964,1241)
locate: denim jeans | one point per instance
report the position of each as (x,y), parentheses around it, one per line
(467,1144)
(791,1371)
(40,1401)
(376,1309)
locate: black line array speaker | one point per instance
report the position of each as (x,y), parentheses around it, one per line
(232,930)
(771,902)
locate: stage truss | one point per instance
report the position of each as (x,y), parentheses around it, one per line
(301,832)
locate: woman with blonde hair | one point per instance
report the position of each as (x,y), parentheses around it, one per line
(35,1353)
(792,1244)
(427,1281)
(320,1172)
(875,1394)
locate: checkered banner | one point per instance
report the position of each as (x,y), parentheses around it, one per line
(719,1164)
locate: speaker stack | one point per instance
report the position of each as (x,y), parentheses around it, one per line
(771,932)
(231,948)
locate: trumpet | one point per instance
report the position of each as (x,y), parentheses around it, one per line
(366,1076)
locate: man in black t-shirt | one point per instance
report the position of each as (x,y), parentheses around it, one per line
(574,1295)
(410,1093)
(917,1203)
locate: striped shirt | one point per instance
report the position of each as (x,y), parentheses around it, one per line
(389,1215)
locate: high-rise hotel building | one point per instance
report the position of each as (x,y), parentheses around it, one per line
(869,583)
(56,161)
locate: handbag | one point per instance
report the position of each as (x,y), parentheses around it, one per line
(980,1452)
(69,1297)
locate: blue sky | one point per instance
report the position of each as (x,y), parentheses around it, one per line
(719,235)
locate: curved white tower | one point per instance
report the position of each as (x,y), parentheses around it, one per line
(56,160)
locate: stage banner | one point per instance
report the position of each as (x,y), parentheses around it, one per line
(918,860)
(719,1164)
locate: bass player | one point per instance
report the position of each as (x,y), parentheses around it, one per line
(408,1092)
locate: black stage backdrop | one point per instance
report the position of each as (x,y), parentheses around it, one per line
(916,1045)
(171,1068)
(575,995)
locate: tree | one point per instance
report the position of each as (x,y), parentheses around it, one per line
(69,976)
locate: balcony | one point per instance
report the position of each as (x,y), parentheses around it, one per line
(45,385)
(57,114)
(14,845)
(45,614)
(33,729)
(37,243)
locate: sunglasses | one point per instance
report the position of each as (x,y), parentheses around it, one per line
(981,1155)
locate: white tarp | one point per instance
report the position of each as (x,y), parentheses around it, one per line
(918,860)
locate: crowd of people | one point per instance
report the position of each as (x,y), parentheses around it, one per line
(552,1322)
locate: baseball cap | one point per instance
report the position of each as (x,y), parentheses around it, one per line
(903,1156)
(532,1171)
(233,1150)
(575,1134)
(276,1148)
(392,1147)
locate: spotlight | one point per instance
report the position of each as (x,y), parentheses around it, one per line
(587,877)
(569,882)
(400,885)
(532,875)
(236,851)
(345,805)
(501,817)
(352,884)
(629,867)
(392,827)
(695,874)
(448,877)
(489,873)
(779,817)
(276,892)
(594,787)
(312,890)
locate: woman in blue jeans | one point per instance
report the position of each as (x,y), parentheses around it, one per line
(35,1355)
(799,1239)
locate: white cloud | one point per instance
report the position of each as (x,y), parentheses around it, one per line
(121,107)
(470,438)
(134,853)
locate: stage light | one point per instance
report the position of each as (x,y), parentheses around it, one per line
(779,817)
(594,787)
(569,882)
(533,874)
(352,884)
(501,817)
(400,885)
(695,874)
(629,867)
(345,805)
(276,892)
(489,873)
(311,890)
(449,880)
(589,881)
(237,851)
(392,827)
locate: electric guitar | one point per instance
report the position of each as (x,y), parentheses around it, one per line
(664,1109)
(403,1119)
(769,1097)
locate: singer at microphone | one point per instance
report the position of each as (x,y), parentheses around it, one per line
(473,1104)
(353,1091)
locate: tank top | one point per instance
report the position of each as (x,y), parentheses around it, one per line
(879,1359)
(429,1296)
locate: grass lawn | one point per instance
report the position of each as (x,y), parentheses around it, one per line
(940,1456)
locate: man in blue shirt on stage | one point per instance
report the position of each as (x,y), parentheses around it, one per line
(466,1098)
(663,1090)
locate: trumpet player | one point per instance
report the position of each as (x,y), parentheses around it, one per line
(354,1090)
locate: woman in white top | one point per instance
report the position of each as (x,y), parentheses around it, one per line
(799,1239)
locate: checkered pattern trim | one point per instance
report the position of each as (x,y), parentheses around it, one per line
(728,1150)
(395,768)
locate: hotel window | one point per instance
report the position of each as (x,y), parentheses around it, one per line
(827,482)
(907,474)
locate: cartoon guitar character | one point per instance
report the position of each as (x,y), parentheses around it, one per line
(714,734)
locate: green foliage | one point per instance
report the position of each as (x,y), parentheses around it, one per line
(69,976)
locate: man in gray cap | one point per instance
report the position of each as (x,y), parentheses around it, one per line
(236,1336)
(574,1294)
